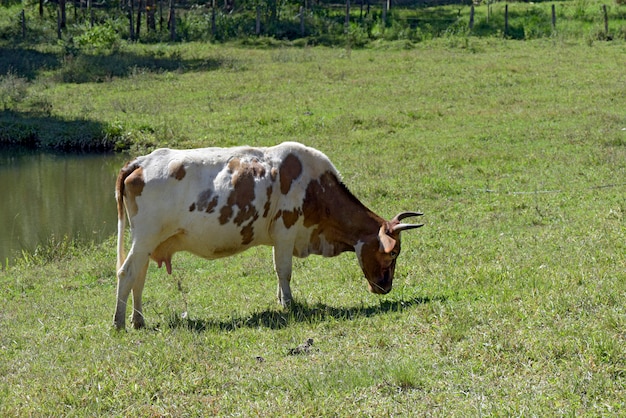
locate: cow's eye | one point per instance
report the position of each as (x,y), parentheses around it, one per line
(393,254)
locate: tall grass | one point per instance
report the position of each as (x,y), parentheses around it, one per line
(510,301)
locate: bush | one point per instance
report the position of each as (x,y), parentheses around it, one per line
(99,39)
(13,89)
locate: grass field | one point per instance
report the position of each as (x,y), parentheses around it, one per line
(509,301)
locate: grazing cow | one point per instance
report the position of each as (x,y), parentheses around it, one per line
(216,202)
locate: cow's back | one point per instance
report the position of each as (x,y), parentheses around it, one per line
(216,202)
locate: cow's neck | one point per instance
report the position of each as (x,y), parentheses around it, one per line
(339,218)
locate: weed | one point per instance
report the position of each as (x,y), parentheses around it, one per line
(13,89)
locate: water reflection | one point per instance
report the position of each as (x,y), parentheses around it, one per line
(46,194)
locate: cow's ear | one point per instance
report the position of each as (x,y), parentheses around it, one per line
(387,243)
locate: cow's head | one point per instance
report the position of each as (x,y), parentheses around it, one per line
(377,253)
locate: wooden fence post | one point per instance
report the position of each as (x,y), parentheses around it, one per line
(347,14)
(172,21)
(471,22)
(151,15)
(213,27)
(138,31)
(301,21)
(63,18)
(257,29)
(384,14)
(553,18)
(59,23)
(506,19)
(23,19)
(131,32)
(606,21)
(160,15)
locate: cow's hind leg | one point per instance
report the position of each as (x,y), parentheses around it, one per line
(140,280)
(131,276)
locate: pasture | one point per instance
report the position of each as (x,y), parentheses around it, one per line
(509,301)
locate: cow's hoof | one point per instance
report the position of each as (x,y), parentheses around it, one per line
(137,321)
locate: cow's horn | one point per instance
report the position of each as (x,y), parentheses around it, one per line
(402,215)
(404,227)
(396,226)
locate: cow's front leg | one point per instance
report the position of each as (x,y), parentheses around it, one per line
(282,265)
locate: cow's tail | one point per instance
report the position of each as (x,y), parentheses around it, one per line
(121,213)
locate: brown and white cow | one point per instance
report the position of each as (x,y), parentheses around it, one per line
(216,202)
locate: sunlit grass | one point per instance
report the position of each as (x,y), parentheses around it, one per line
(510,301)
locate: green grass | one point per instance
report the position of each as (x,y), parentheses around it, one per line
(510,301)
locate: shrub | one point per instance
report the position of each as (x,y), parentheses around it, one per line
(13,89)
(99,38)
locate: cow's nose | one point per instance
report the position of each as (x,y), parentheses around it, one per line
(378,290)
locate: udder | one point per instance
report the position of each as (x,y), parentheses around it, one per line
(164,251)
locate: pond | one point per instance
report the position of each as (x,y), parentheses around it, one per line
(48,196)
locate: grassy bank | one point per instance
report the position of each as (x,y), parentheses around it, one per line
(40,73)
(510,301)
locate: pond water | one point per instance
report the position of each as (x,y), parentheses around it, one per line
(46,195)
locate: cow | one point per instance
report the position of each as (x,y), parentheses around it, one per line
(217,202)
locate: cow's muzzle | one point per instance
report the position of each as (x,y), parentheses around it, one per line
(378,290)
(383,285)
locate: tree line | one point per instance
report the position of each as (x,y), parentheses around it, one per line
(102,22)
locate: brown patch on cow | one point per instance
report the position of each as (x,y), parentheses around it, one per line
(339,217)
(204,202)
(253,167)
(245,213)
(326,198)
(312,207)
(247,233)
(133,187)
(177,170)
(257,168)
(242,195)
(233,165)
(135,183)
(315,239)
(290,217)
(120,186)
(225,213)
(212,204)
(268,202)
(203,199)
(290,170)
(273,173)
